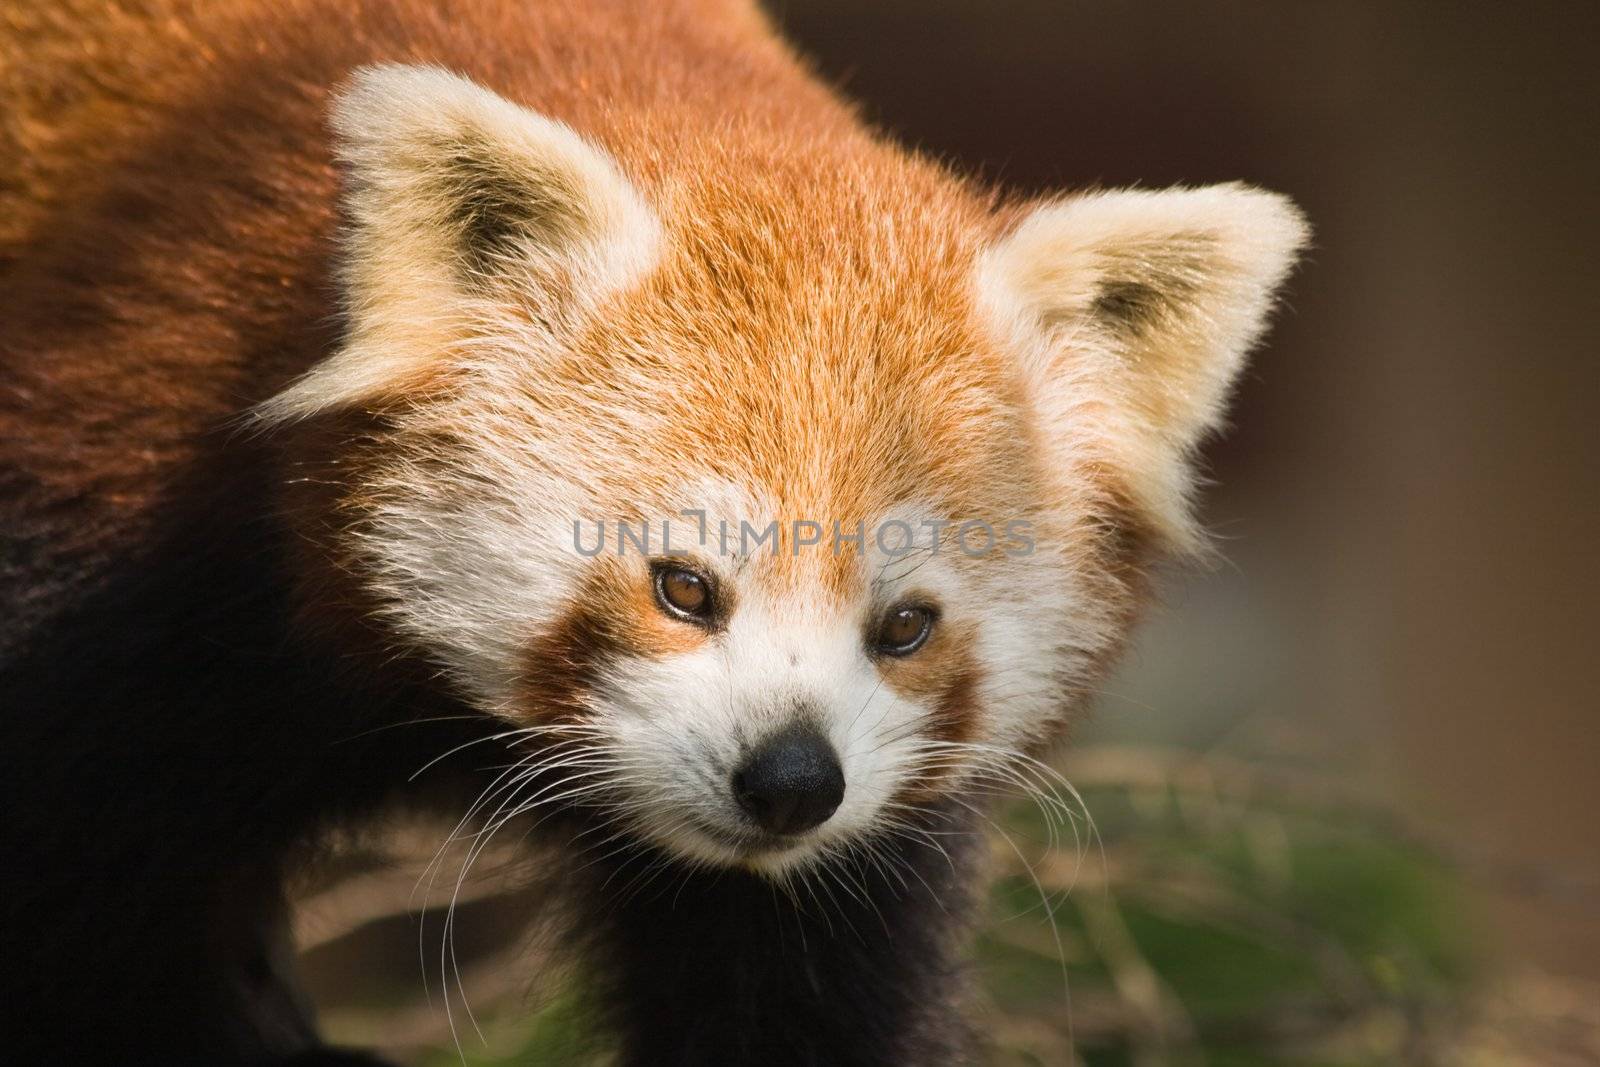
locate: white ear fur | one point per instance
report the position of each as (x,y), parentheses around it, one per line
(461,205)
(1134,311)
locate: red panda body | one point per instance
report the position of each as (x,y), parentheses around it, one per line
(323,326)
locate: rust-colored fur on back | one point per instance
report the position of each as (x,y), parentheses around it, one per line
(163,158)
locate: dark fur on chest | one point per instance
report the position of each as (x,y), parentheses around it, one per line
(855,962)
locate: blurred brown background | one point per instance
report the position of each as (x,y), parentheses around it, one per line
(1408,501)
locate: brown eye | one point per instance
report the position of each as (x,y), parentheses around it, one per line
(904,630)
(683,593)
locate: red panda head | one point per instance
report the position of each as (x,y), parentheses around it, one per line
(781,484)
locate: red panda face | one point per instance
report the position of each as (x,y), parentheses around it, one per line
(781,497)
(869,676)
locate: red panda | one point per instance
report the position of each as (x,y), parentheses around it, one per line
(584,384)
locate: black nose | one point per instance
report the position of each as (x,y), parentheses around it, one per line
(792,782)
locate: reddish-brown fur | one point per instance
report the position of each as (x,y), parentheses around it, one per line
(114,109)
(111,112)
(613,615)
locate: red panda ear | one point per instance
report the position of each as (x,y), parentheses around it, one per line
(1135,310)
(462,207)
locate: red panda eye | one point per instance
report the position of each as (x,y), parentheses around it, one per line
(904,630)
(683,593)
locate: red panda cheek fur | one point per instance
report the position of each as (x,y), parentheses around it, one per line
(298,399)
